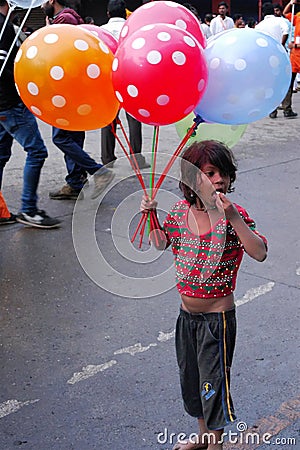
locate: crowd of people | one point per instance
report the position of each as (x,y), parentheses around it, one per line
(78,162)
(276,21)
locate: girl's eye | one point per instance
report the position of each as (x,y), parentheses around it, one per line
(209,174)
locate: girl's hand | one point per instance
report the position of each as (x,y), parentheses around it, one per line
(147,204)
(223,204)
(252,243)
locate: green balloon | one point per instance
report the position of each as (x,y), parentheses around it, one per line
(228,134)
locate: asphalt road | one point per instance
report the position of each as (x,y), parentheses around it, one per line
(87,336)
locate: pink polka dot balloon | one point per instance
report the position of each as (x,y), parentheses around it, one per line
(163,12)
(159,74)
(103,34)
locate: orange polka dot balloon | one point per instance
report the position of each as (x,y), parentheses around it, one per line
(63,74)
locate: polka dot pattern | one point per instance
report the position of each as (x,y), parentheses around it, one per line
(59,101)
(240,64)
(32,52)
(164,77)
(63,75)
(179,58)
(51,38)
(93,71)
(108,41)
(56,72)
(168,12)
(132,91)
(154,57)
(81,45)
(249,75)
(181,24)
(163,100)
(33,88)
(138,43)
(164,37)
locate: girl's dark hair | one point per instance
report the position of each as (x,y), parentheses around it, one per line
(196,156)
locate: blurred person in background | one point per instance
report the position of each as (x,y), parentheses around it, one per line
(116,13)
(222,22)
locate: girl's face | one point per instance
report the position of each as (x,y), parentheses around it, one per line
(211,180)
(219,181)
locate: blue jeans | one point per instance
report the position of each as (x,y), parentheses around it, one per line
(78,162)
(20,124)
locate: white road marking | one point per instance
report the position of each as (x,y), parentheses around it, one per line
(298,271)
(90,371)
(163,337)
(12,406)
(254,293)
(133,349)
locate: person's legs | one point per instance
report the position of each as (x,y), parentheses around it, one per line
(207,439)
(287,101)
(135,139)
(204,347)
(22,126)
(34,146)
(186,352)
(273,114)
(217,333)
(108,143)
(6,141)
(71,144)
(78,162)
(135,133)
(76,176)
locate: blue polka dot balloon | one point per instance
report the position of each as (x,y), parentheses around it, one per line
(249,74)
(26,4)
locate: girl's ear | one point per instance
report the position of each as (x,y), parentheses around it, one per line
(199,179)
(198,182)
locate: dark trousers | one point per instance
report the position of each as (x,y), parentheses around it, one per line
(204,348)
(108,140)
(78,162)
(20,124)
(287,101)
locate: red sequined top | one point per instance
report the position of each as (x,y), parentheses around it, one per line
(206,265)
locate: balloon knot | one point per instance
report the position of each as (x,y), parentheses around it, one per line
(198,119)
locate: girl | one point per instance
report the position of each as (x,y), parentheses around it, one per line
(208,235)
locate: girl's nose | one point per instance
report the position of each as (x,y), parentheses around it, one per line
(218,178)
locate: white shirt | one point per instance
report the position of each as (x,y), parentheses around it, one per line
(205,30)
(114,26)
(217,25)
(274,26)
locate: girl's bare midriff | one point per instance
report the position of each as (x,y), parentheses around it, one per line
(207,305)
